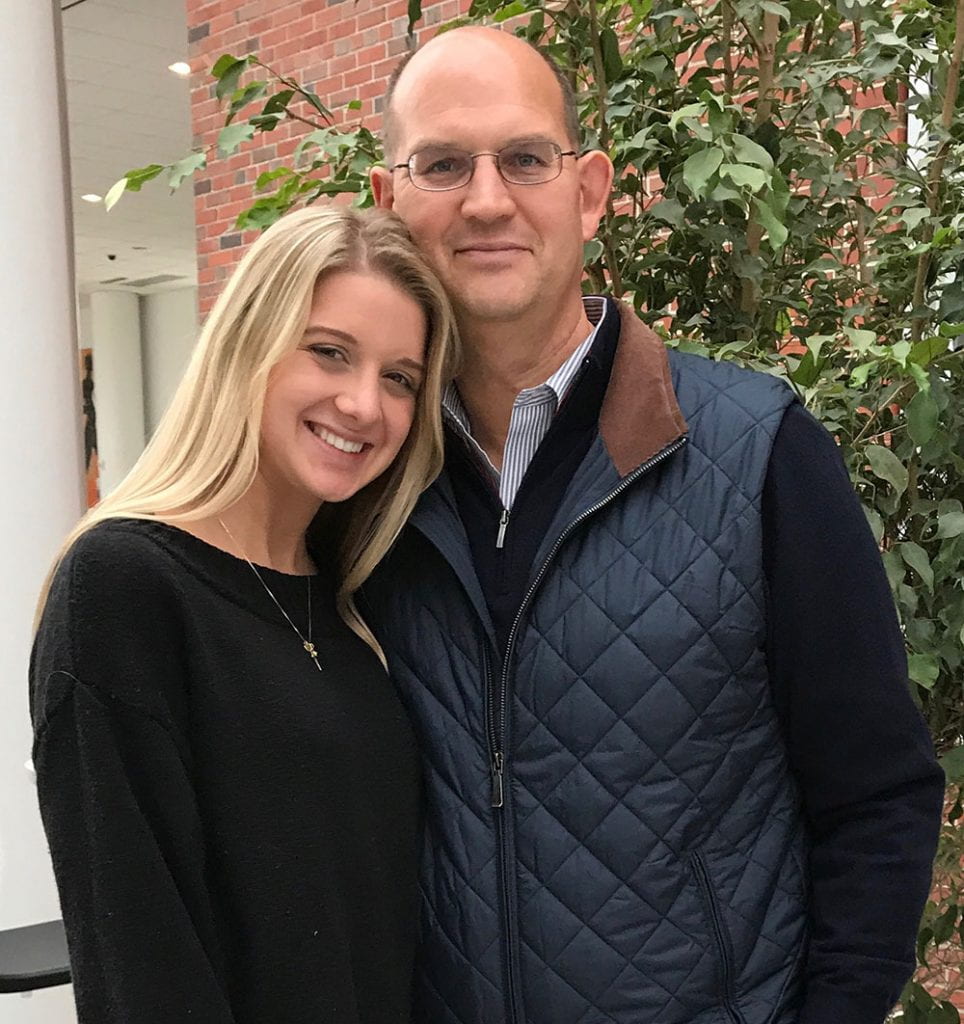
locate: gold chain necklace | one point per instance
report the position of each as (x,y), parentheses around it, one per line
(306,643)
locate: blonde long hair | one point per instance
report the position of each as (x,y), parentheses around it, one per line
(204,455)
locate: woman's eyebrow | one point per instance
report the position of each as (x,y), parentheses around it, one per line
(318,329)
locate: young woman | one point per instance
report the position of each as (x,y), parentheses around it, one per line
(227,780)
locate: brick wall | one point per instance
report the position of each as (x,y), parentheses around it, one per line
(343,49)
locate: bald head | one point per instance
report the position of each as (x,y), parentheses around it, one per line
(469,47)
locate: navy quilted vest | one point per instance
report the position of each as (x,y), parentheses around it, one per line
(646,865)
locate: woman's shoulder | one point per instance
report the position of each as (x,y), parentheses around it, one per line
(113,619)
(116,563)
(117,547)
(114,584)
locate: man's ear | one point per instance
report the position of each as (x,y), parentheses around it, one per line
(595,184)
(382,187)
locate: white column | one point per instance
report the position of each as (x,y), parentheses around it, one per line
(169,328)
(115,335)
(40,434)
(40,438)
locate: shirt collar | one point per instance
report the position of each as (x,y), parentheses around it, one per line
(557,383)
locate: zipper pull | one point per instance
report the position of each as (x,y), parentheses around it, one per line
(503,523)
(497,780)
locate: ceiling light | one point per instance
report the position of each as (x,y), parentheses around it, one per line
(91,197)
(180,68)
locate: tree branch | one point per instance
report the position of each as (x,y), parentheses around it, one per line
(951,87)
(766,59)
(729,79)
(599,81)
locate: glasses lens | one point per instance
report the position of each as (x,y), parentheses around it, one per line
(528,163)
(438,168)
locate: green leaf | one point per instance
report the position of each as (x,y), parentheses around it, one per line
(185,168)
(927,350)
(887,466)
(913,216)
(414,14)
(278,103)
(700,167)
(951,524)
(242,97)
(894,567)
(354,105)
(690,110)
(806,372)
(232,136)
(922,417)
(512,10)
(612,61)
(900,351)
(923,669)
(944,925)
(142,175)
(916,557)
(779,198)
(228,78)
(774,8)
(749,152)
(776,230)
(313,99)
(953,764)
(858,378)
(116,191)
(860,340)
(265,122)
(267,177)
(222,64)
(876,523)
(744,175)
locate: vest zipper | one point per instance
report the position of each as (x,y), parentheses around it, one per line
(503,523)
(719,937)
(498,712)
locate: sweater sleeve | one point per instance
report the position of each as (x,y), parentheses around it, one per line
(116,794)
(871,786)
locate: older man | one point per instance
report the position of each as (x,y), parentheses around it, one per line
(673,769)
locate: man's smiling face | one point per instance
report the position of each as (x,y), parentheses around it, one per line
(502,250)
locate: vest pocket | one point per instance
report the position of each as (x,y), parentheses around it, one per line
(721,938)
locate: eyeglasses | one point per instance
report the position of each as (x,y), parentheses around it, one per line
(440,168)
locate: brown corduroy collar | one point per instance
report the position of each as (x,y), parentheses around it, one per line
(640,415)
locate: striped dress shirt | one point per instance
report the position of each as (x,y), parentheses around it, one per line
(532,414)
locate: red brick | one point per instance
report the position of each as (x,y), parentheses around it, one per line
(358,76)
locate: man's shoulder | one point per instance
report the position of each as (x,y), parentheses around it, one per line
(702,383)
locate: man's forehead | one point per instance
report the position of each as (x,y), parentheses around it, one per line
(460,83)
(485,125)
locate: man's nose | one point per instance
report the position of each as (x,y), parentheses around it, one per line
(487,195)
(360,399)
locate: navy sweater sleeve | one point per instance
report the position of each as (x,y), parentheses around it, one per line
(871,786)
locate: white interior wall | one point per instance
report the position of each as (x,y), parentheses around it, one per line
(115,326)
(169,327)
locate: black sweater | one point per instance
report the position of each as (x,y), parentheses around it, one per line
(233,833)
(871,786)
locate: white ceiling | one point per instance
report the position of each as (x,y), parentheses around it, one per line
(125,110)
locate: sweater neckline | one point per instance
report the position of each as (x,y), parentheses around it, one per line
(232,576)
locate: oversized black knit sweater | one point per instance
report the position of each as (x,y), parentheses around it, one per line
(233,832)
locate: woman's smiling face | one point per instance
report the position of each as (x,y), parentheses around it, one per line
(338,408)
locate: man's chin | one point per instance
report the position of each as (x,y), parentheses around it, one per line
(491,306)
